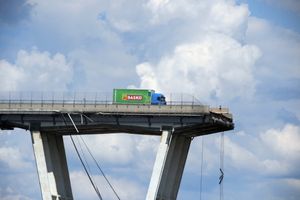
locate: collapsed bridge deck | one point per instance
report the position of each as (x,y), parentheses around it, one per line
(49,121)
(193,120)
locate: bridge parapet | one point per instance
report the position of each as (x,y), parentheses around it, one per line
(104,108)
(95,98)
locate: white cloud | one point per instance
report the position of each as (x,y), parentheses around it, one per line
(117,149)
(276,167)
(89,35)
(125,20)
(210,155)
(280,49)
(275,153)
(17,166)
(214,66)
(95,18)
(220,16)
(13,158)
(9,75)
(36,70)
(240,157)
(102,68)
(228,18)
(164,10)
(126,189)
(121,150)
(210,61)
(284,142)
(147,75)
(101,23)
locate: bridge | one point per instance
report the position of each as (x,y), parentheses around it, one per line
(50,120)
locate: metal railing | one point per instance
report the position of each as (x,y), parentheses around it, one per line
(83,98)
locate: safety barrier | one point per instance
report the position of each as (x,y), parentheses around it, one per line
(85,98)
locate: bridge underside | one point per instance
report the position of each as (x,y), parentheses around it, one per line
(87,123)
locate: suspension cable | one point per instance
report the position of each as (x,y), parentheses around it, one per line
(83,155)
(221,165)
(86,171)
(201,169)
(100,169)
(78,154)
(86,146)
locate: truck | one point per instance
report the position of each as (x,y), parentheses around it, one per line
(138,96)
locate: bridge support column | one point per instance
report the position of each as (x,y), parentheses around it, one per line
(168,167)
(52,166)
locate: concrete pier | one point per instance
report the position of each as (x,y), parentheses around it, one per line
(169,166)
(51,166)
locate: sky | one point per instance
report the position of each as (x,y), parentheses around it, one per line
(240,54)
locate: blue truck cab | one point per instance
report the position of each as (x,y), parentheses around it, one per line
(158,99)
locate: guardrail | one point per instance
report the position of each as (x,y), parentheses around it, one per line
(85,98)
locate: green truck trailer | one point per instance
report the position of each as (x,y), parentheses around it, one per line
(138,96)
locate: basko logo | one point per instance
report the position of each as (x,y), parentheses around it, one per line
(133,97)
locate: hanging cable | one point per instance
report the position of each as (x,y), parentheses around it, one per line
(78,154)
(83,156)
(100,169)
(201,169)
(86,171)
(221,165)
(86,146)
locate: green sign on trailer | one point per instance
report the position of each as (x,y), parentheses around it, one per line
(132,96)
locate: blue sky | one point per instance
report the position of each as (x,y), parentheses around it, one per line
(241,54)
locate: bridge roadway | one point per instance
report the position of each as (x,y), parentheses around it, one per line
(49,122)
(191,120)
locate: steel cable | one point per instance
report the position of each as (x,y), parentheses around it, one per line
(100,169)
(201,172)
(221,165)
(78,154)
